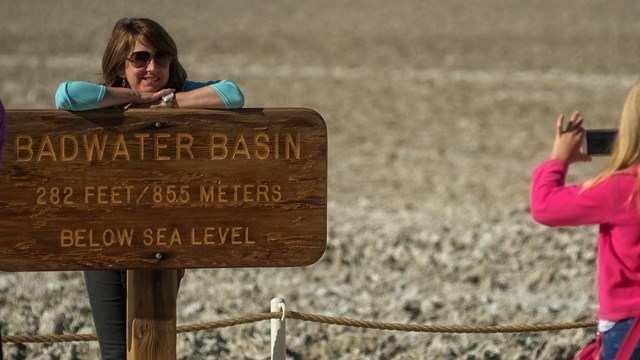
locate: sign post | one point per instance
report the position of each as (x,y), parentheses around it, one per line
(151,314)
(151,191)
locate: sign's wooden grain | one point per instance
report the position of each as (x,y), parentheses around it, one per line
(151,314)
(158,189)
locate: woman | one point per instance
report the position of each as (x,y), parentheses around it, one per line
(140,68)
(609,199)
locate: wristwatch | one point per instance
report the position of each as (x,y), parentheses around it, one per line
(168,100)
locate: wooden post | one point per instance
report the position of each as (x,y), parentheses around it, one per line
(151,314)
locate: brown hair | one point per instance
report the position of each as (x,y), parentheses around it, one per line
(123,39)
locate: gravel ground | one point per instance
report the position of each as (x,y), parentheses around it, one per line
(437,112)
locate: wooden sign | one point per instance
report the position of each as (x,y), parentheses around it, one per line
(159,189)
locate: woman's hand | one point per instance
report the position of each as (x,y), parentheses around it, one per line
(150,99)
(116,96)
(568,141)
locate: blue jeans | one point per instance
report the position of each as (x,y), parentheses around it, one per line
(613,339)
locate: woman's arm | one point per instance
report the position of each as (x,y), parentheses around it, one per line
(202,98)
(221,94)
(81,96)
(115,96)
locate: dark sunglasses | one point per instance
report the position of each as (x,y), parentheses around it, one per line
(140,59)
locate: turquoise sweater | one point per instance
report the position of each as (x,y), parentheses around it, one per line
(81,95)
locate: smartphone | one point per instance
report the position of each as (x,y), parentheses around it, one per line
(599,142)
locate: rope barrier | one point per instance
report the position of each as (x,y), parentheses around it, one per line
(458,329)
(251,318)
(23,339)
(247,319)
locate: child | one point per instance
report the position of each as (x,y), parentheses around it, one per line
(609,199)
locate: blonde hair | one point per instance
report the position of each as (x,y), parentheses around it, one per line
(123,39)
(626,149)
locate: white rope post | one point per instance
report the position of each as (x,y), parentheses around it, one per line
(278,330)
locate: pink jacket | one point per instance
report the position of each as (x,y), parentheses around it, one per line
(613,206)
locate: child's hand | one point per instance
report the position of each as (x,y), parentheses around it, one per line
(568,141)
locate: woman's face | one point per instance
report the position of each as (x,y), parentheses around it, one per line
(151,76)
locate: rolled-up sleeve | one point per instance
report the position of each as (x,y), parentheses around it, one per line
(228,91)
(79,95)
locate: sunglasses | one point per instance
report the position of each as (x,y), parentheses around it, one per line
(140,59)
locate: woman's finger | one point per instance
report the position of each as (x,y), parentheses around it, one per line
(559,122)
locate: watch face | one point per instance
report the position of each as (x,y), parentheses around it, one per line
(168,97)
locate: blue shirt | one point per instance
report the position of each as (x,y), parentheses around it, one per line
(81,95)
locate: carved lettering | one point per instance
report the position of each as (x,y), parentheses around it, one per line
(240,148)
(120,148)
(235,193)
(46,149)
(24,143)
(262,146)
(64,139)
(218,143)
(69,147)
(102,194)
(181,145)
(94,145)
(157,237)
(160,146)
(261,142)
(84,238)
